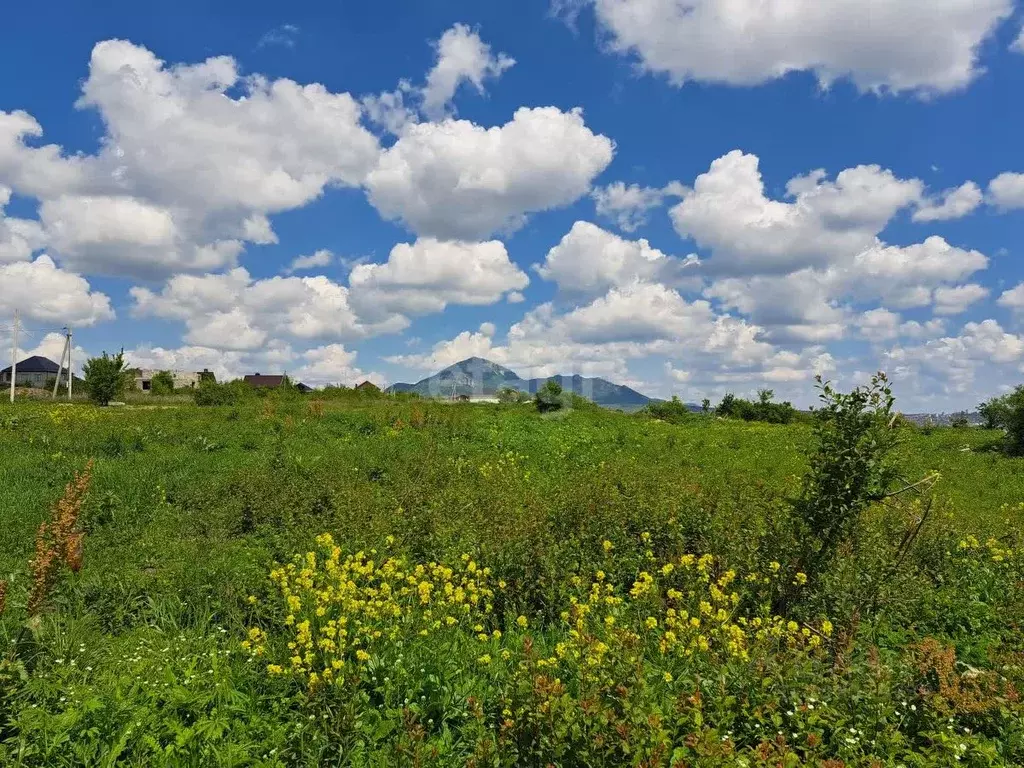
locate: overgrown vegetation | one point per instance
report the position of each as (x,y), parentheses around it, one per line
(349,579)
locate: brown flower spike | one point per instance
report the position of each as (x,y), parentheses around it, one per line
(58,540)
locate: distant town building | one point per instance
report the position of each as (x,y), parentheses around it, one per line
(182,379)
(33,371)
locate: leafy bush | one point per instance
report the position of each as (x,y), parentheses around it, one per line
(673,411)
(549,397)
(511,396)
(1007,413)
(105,377)
(228,393)
(763,409)
(851,467)
(162,383)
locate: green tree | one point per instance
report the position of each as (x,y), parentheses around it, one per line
(509,395)
(105,377)
(1007,413)
(162,383)
(853,466)
(549,397)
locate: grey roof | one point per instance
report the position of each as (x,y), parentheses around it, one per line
(34,364)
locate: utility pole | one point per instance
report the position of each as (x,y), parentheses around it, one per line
(60,365)
(14,355)
(71,371)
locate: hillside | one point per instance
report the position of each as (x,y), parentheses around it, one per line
(476,376)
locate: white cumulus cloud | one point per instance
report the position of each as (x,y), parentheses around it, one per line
(590,260)
(429,274)
(455,180)
(955,204)
(43,291)
(923,46)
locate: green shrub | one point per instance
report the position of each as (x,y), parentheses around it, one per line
(1007,413)
(106,377)
(228,393)
(162,383)
(549,397)
(673,411)
(852,466)
(763,409)
(510,395)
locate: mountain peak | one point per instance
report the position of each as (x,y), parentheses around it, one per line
(476,376)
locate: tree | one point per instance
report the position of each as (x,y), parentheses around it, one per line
(705,405)
(162,383)
(509,395)
(727,406)
(105,377)
(1007,413)
(853,466)
(549,397)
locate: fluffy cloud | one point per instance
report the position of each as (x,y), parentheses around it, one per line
(232,311)
(44,292)
(797,267)
(429,274)
(121,234)
(19,238)
(1006,191)
(31,170)
(193,159)
(1018,44)
(627,206)
(589,260)
(728,212)
(896,45)
(1013,299)
(320,258)
(462,57)
(809,304)
(955,204)
(951,364)
(797,307)
(878,325)
(332,364)
(455,180)
(953,301)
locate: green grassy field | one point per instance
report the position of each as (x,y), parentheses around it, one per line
(498,588)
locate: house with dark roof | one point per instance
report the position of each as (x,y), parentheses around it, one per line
(34,371)
(272,381)
(261,381)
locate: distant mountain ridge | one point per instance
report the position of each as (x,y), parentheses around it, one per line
(476,376)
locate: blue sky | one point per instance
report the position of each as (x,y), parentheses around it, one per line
(737,196)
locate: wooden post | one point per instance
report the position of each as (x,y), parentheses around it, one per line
(14,355)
